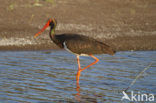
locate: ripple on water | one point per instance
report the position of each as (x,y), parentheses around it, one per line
(45,76)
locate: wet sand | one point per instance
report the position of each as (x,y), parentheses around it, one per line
(124,25)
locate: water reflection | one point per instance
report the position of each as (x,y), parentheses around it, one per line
(46,77)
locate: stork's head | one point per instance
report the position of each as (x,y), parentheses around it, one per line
(51,22)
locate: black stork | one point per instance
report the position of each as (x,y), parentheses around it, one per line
(80,45)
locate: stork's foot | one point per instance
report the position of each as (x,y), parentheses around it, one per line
(78,96)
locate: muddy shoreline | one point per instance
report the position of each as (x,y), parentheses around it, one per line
(124,25)
(119,44)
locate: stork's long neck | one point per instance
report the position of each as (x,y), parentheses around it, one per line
(52,33)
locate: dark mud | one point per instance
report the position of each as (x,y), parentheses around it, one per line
(124,25)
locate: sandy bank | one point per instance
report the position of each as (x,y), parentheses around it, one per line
(124,25)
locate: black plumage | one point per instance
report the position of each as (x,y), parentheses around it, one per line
(80,44)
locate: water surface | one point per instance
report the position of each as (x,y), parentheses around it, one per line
(50,76)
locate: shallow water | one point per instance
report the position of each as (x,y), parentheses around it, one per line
(50,76)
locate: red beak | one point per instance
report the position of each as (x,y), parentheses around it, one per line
(45,26)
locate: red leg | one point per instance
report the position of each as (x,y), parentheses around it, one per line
(79,67)
(96,60)
(79,70)
(79,73)
(77,79)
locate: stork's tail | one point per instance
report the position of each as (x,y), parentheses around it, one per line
(110,51)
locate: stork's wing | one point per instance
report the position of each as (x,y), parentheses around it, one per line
(86,45)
